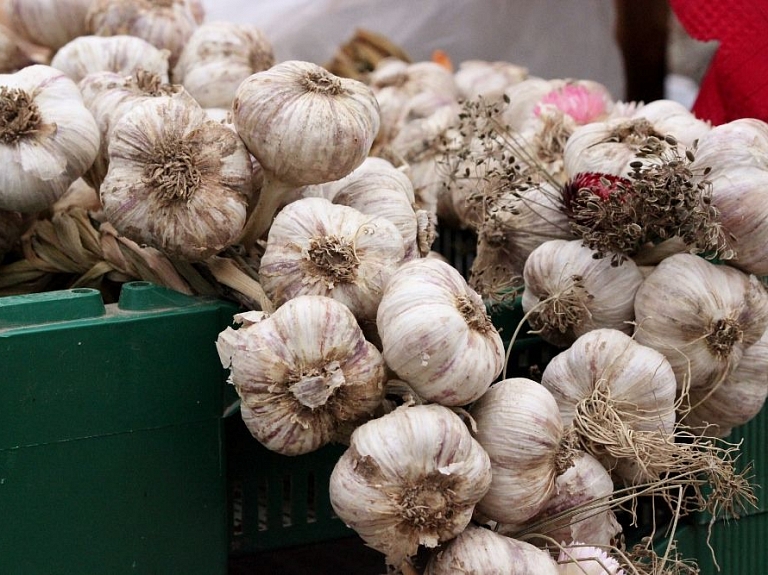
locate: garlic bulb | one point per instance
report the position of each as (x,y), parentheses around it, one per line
(519,425)
(411,477)
(217,57)
(701,316)
(316,247)
(578,510)
(48,138)
(609,146)
(580,559)
(123,55)
(13,57)
(569,292)
(396,83)
(436,334)
(108,95)
(736,153)
(480,78)
(377,188)
(515,223)
(482,551)
(718,410)
(177,181)
(606,385)
(49,23)
(166,24)
(302,372)
(304,126)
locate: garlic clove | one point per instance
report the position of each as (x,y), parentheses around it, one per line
(409,478)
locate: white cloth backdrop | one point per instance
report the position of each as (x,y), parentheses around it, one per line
(552,38)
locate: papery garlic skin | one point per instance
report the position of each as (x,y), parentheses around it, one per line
(409,478)
(716,411)
(569,292)
(49,23)
(121,54)
(302,372)
(11,227)
(736,153)
(217,57)
(177,181)
(303,124)
(604,373)
(48,138)
(436,333)
(701,316)
(316,247)
(585,484)
(166,25)
(519,426)
(479,550)
(480,78)
(377,188)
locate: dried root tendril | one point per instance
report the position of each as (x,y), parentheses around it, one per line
(19,115)
(706,466)
(172,171)
(334,258)
(563,311)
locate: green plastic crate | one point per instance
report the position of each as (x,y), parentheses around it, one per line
(111,435)
(732,548)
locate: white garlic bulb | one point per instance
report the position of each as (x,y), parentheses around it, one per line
(519,425)
(302,372)
(701,316)
(49,23)
(736,153)
(480,78)
(615,391)
(717,410)
(108,95)
(569,292)
(48,138)
(123,55)
(166,24)
(316,247)
(177,181)
(581,559)
(305,126)
(436,333)
(478,550)
(396,83)
(609,146)
(409,478)
(516,223)
(579,509)
(377,188)
(217,57)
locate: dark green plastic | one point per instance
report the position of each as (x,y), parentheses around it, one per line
(275,500)
(111,435)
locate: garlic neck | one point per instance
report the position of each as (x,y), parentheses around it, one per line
(321,82)
(474,314)
(19,115)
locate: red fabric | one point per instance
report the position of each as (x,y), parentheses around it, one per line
(736,82)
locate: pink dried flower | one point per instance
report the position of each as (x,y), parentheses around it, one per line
(578,101)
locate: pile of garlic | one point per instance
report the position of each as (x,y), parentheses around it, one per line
(153,142)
